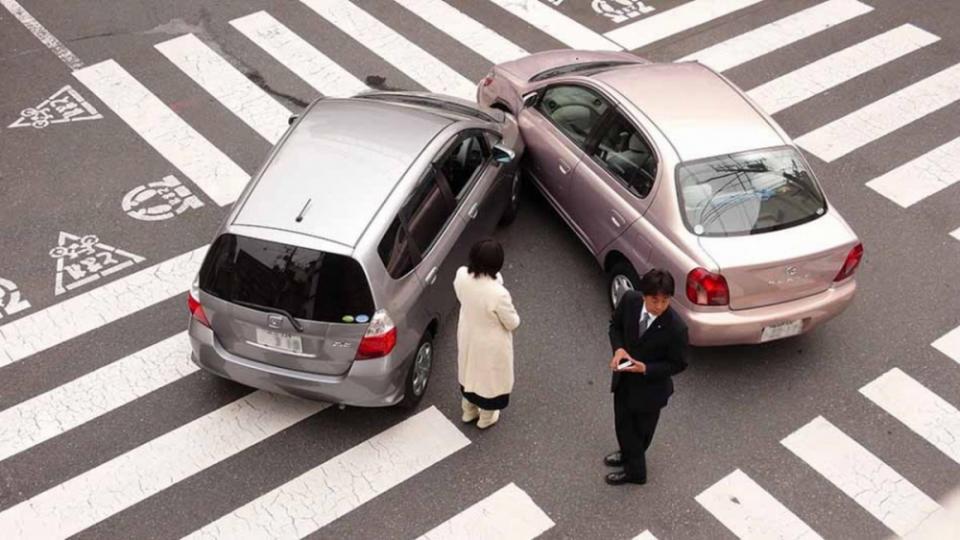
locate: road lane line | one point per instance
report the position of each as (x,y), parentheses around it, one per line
(303,59)
(461,27)
(921,410)
(557,25)
(111,487)
(862,476)
(919,178)
(673,21)
(645,535)
(956,234)
(338,486)
(199,160)
(227,85)
(750,512)
(397,50)
(949,343)
(778,34)
(98,307)
(840,67)
(44,35)
(81,400)
(507,513)
(883,116)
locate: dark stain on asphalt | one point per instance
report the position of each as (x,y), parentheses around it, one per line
(258,80)
(379,83)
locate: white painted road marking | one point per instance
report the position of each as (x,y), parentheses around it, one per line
(82,260)
(750,512)
(461,27)
(620,11)
(98,307)
(840,67)
(402,53)
(41,33)
(949,344)
(160,200)
(303,59)
(111,487)
(11,302)
(922,177)
(508,513)
(956,234)
(778,34)
(645,535)
(921,410)
(866,479)
(64,106)
(199,160)
(673,21)
(227,85)
(81,400)
(557,25)
(317,497)
(883,116)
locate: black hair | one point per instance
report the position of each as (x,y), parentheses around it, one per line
(657,282)
(486,258)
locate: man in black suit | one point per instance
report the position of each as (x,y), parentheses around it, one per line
(649,343)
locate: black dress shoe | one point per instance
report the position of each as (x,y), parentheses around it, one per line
(620,478)
(614,460)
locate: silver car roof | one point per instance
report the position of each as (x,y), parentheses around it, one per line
(338,166)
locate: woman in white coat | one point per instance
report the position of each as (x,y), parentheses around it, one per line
(484,335)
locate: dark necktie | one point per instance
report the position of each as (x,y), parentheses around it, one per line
(644,322)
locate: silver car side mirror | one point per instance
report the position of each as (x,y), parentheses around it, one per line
(530,99)
(502,154)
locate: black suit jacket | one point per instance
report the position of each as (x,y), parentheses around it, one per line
(663,348)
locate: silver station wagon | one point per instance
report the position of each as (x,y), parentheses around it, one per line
(331,274)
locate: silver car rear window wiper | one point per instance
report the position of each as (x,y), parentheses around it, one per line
(278,311)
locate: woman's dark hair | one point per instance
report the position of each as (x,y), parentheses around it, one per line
(656,282)
(486,258)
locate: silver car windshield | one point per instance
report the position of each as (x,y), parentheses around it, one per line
(748,193)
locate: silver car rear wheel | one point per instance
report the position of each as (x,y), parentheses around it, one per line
(422,365)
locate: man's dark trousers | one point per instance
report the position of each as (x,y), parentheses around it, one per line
(634,434)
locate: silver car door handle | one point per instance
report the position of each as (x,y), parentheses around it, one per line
(564,168)
(432,276)
(474,210)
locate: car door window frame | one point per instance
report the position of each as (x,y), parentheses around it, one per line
(448,151)
(593,142)
(542,94)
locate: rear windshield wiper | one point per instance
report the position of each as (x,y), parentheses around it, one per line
(278,311)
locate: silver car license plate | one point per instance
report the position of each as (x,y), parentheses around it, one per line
(280,340)
(782,330)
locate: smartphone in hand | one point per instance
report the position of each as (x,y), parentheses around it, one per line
(624,364)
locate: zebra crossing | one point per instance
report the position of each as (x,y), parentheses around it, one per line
(338,486)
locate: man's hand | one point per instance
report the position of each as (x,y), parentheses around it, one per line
(618,356)
(637,367)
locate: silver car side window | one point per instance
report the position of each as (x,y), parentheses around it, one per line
(575,110)
(462,163)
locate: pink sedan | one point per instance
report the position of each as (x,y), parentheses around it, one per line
(672,166)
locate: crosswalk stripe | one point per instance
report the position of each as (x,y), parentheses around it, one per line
(921,410)
(199,160)
(57,411)
(227,85)
(508,513)
(750,512)
(883,116)
(397,50)
(645,535)
(778,34)
(303,59)
(673,21)
(949,344)
(919,178)
(840,67)
(98,307)
(314,499)
(557,25)
(111,487)
(862,476)
(461,27)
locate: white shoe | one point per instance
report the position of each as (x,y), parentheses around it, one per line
(470,411)
(488,418)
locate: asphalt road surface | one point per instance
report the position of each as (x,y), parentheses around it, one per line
(108,431)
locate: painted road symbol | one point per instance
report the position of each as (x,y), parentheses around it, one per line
(10,300)
(621,10)
(81,260)
(159,200)
(64,106)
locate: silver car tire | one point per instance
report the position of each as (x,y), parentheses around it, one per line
(418,375)
(621,278)
(513,205)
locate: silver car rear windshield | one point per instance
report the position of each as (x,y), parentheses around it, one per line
(748,193)
(305,283)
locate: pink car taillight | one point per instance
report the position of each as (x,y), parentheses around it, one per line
(850,265)
(705,288)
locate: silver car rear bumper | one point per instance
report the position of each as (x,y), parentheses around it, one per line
(369,383)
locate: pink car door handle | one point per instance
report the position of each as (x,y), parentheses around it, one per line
(616,219)
(564,168)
